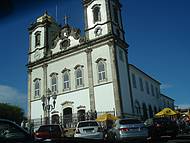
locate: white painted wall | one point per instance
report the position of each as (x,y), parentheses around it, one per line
(68,62)
(104,97)
(142,96)
(101,52)
(36,110)
(124,82)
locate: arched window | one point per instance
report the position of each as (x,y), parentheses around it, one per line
(37,87)
(54,82)
(96,13)
(66,80)
(101,69)
(79,76)
(150,111)
(37,38)
(137,108)
(145,114)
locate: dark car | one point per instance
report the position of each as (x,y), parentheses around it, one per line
(13,133)
(49,132)
(162,126)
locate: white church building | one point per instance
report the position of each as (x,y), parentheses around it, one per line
(72,74)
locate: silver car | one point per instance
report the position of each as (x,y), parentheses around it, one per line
(128,129)
(88,129)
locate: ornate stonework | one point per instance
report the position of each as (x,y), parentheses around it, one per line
(64,34)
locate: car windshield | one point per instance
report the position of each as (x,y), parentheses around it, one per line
(87,124)
(48,128)
(129,121)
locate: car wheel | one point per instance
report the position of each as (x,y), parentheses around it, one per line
(111,137)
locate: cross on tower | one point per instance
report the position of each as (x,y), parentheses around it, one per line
(66,19)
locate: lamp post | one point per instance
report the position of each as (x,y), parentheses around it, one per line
(47,107)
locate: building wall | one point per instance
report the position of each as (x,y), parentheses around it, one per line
(166,101)
(122,64)
(142,96)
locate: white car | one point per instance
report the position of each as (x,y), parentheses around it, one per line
(88,129)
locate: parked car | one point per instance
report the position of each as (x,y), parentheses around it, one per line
(88,129)
(49,132)
(128,129)
(161,127)
(10,132)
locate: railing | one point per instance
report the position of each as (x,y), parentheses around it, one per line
(67,121)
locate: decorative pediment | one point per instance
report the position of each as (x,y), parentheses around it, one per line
(64,35)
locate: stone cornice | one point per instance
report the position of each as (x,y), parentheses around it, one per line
(106,38)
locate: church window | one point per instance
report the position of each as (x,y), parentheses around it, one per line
(121,55)
(137,108)
(134,81)
(157,92)
(54,82)
(96,13)
(147,87)
(152,90)
(101,71)
(79,76)
(37,87)
(37,38)
(66,81)
(141,84)
(115,12)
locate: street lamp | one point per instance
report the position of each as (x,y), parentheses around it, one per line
(47,107)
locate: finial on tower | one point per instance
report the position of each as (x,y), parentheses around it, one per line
(66,19)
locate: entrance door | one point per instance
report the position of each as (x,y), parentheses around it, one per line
(67,117)
(81,115)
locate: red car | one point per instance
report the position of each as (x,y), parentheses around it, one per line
(49,132)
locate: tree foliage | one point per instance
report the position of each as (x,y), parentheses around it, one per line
(11,112)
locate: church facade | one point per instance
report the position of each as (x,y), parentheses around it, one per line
(82,73)
(73,74)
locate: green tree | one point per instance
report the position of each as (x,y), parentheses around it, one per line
(11,112)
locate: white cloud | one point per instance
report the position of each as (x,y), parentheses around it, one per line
(166,86)
(183,106)
(12,96)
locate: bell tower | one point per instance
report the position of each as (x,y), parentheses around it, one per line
(102,17)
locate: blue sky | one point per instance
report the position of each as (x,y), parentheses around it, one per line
(158,34)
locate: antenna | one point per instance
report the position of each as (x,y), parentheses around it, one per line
(56,12)
(66,19)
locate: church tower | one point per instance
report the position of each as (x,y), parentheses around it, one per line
(102,17)
(103,24)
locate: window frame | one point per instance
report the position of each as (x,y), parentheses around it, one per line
(37,38)
(96,13)
(68,84)
(37,80)
(54,87)
(81,78)
(134,82)
(102,73)
(147,87)
(152,90)
(141,84)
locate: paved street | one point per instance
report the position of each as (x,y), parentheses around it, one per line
(185,138)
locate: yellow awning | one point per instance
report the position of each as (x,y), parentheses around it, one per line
(166,112)
(105,117)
